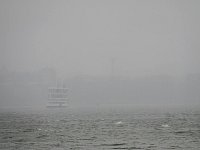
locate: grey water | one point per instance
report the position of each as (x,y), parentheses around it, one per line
(100,129)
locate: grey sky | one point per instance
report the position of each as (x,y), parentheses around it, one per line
(146,37)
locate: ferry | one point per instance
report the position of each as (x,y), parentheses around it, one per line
(57,97)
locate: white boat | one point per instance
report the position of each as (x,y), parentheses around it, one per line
(57,97)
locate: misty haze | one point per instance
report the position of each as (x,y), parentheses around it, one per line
(99,74)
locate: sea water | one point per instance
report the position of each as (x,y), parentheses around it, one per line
(98,130)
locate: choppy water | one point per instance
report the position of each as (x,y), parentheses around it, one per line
(99,130)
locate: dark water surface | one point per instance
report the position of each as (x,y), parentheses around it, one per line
(97,130)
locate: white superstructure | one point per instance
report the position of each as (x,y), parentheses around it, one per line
(57,97)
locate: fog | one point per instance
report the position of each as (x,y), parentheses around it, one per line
(107,52)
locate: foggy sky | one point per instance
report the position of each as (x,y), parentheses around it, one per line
(145,37)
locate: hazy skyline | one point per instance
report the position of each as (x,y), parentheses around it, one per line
(100,74)
(81,37)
